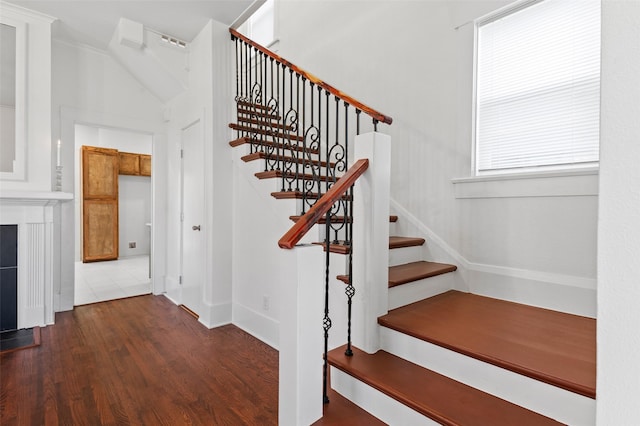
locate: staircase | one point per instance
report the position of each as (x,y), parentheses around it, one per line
(447,357)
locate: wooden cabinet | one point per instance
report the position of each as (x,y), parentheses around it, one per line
(129,163)
(134,164)
(145,165)
(99,204)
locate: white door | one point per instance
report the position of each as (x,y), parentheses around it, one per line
(193,214)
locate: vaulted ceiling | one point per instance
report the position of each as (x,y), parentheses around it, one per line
(93,22)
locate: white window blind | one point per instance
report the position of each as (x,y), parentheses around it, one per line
(538,87)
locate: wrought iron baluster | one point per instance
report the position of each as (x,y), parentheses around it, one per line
(297,130)
(326,321)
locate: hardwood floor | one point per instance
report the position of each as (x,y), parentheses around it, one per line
(145,361)
(140,360)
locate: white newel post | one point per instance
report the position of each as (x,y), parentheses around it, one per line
(301,340)
(371,239)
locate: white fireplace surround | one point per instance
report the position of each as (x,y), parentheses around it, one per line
(33,212)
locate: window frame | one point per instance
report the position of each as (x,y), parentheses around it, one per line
(551,169)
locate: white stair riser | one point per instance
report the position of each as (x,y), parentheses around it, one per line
(406,294)
(404,255)
(375,402)
(564,406)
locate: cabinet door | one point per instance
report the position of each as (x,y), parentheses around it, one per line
(145,165)
(99,204)
(129,163)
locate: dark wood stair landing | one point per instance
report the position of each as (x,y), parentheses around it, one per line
(549,346)
(433,395)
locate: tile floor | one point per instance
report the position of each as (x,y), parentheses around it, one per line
(114,279)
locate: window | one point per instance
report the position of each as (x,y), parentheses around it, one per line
(260,26)
(538,87)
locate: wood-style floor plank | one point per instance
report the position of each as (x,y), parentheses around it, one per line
(145,361)
(550,346)
(140,360)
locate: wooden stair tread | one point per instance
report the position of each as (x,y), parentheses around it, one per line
(396,242)
(339,248)
(253,105)
(285,158)
(409,272)
(272,174)
(298,195)
(414,271)
(275,133)
(258,113)
(440,398)
(323,220)
(290,147)
(340,219)
(549,346)
(270,124)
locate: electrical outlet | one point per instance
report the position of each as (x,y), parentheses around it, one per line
(132,244)
(265,303)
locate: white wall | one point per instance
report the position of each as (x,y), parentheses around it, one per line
(134,192)
(208,99)
(619,227)
(408,60)
(88,87)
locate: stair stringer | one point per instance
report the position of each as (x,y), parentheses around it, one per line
(260,268)
(551,401)
(564,293)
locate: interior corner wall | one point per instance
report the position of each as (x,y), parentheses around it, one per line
(618,369)
(89,87)
(414,61)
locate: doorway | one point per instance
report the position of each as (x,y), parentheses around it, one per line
(129,274)
(192,214)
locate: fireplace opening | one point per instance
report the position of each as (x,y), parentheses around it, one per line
(8,277)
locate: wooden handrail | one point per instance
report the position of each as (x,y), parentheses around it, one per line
(323,205)
(378,116)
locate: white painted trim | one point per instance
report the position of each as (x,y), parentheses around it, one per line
(258,325)
(525,277)
(582,182)
(13,10)
(215,315)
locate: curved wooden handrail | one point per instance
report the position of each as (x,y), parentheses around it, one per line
(378,116)
(323,205)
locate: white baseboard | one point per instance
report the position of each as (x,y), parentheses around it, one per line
(215,315)
(559,292)
(258,325)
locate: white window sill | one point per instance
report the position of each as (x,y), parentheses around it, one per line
(570,183)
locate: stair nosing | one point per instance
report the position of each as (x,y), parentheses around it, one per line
(446,268)
(429,410)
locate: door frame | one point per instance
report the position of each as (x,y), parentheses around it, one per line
(191,123)
(69,117)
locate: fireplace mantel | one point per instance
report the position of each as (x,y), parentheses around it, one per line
(33,197)
(32,211)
